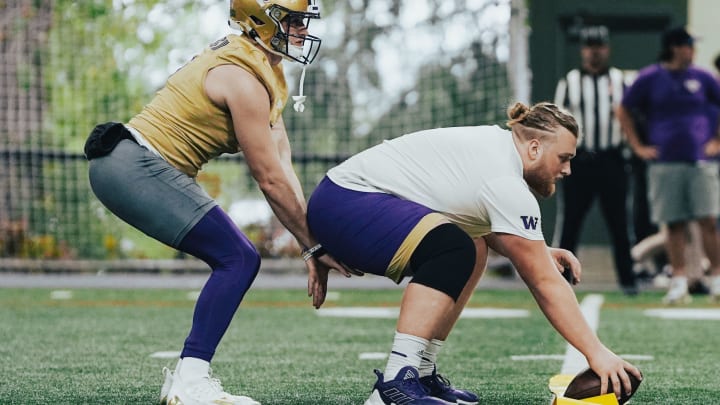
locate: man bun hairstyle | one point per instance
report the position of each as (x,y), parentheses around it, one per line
(517,113)
(543,116)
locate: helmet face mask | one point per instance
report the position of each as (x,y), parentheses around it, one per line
(279,26)
(291,38)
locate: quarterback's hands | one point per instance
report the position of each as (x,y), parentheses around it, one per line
(318,269)
(613,372)
(330,262)
(317,281)
(565,260)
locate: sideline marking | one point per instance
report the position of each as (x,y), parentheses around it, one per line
(372,356)
(61,295)
(192,295)
(590,308)
(165,355)
(393,312)
(332,296)
(685,313)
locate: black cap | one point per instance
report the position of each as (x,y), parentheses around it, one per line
(594,35)
(677,37)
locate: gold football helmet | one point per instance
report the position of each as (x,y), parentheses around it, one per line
(269,23)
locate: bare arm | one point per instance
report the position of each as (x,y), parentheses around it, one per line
(534,263)
(712,147)
(627,123)
(563,259)
(267,154)
(265,150)
(280,137)
(555,297)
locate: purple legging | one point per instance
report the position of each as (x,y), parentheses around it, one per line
(234,262)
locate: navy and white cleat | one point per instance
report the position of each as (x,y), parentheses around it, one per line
(404,389)
(440,387)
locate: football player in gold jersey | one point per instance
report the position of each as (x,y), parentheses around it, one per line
(227,99)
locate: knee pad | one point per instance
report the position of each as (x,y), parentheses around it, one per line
(444,260)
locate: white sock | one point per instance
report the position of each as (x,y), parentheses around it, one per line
(715,280)
(679,281)
(407,350)
(429,358)
(193,369)
(715,285)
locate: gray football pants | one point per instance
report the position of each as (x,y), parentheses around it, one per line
(148,193)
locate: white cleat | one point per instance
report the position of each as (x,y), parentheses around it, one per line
(204,391)
(167,383)
(715,288)
(678,292)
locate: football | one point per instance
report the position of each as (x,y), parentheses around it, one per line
(586,384)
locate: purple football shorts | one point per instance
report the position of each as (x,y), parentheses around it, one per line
(362,229)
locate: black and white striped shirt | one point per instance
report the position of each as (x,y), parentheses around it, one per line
(592,100)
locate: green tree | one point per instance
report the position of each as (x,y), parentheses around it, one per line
(351,106)
(74,64)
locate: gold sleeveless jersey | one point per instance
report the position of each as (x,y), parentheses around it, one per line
(181,122)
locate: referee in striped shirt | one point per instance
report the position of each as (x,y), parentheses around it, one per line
(599,170)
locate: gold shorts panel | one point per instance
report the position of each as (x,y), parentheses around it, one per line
(398,267)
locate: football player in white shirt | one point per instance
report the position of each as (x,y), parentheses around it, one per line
(429,205)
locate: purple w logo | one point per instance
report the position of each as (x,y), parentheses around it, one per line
(529,222)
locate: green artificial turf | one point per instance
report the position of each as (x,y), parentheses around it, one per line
(95,348)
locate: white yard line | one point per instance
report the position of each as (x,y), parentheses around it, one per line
(165,355)
(61,295)
(685,313)
(372,356)
(574,360)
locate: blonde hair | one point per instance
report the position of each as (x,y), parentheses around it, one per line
(542,116)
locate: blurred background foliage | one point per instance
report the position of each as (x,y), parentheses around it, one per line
(385,68)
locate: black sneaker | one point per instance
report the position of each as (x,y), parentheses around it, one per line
(697,287)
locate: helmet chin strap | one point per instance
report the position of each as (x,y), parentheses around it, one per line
(299,100)
(299,106)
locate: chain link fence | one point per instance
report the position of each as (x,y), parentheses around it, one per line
(385,68)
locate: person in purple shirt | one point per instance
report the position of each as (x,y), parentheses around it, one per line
(677,100)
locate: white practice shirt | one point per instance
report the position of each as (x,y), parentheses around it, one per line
(472,175)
